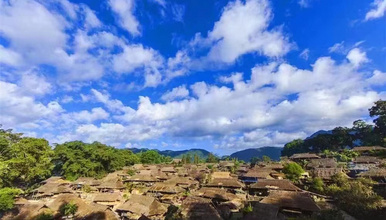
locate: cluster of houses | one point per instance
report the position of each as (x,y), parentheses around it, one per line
(194,191)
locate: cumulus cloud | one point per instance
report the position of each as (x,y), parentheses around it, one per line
(242,29)
(124,10)
(90,116)
(379,8)
(178,92)
(357,57)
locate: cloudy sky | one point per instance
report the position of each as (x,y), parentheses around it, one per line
(219,75)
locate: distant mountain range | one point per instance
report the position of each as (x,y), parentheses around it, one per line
(246,155)
(203,154)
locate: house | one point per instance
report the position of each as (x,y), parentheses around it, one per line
(197,208)
(367,160)
(50,189)
(216,194)
(291,203)
(326,173)
(111,186)
(141,179)
(221,175)
(278,167)
(230,183)
(165,188)
(376,174)
(176,161)
(85,181)
(322,163)
(253,175)
(304,156)
(365,150)
(168,170)
(265,186)
(107,199)
(183,182)
(139,205)
(263,211)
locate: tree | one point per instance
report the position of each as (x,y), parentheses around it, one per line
(293,171)
(7,196)
(196,159)
(317,184)
(211,158)
(76,159)
(266,159)
(24,161)
(69,209)
(254,160)
(293,147)
(379,111)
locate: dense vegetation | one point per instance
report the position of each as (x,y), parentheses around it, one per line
(340,138)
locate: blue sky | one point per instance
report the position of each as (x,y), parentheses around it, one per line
(218,75)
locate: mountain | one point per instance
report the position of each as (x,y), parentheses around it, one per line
(203,154)
(246,155)
(319,133)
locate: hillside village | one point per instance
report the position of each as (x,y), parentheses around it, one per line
(218,190)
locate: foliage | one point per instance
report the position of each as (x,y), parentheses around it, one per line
(255,160)
(317,184)
(153,157)
(355,197)
(248,209)
(379,111)
(76,159)
(45,216)
(131,172)
(293,171)
(342,137)
(173,213)
(68,209)
(212,158)
(7,196)
(86,188)
(266,159)
(186,159)
(24,161)
(196,159)
(343,156)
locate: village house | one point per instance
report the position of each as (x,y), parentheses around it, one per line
(112,185)
(322,163)
(85,181)
(229,183)
(139,205)
(255,174)
(198,208)
(366,150)
(263,211)
(303,156)
(141,179)
(50,189)
(362,164)
(107,199)
(376,174)
(264,186)
(326,173)
(291,203)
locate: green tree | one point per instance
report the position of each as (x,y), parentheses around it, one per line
(266,159)
(7,196)
(254,160)
(211,158)
(379,112)
(68,209)
(293,147)
(293,171)
(317,184)
(196,159)
(24,161)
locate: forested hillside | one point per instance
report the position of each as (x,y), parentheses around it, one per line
(248,154)
(361,133)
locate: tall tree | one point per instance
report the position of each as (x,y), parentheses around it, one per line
(379,112)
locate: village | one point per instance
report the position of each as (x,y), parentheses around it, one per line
(224,190)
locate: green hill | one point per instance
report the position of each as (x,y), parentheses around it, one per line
(203,154)
(246,155)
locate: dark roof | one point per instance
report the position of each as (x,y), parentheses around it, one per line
(322,162)
(291,200)
(366,159)
(107,197)
(225,182)
(275,185)
(304,156)
(368,148)
(197,208)
(326,173)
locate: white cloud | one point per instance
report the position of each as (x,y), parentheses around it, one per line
(9,57)
(357,57)
(125,12)
(178,92)
(243,29)
(91,20)
(67,99)
(305,54)
(90,116)
(34,84)
(337,48)
(153,79)
(21,109)
(378,78)
(378,10)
